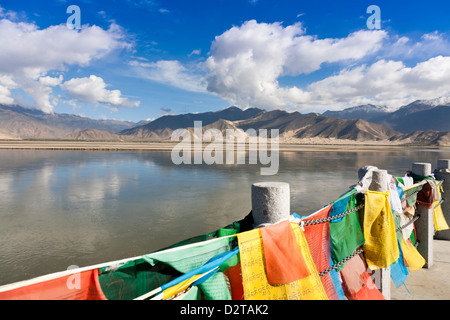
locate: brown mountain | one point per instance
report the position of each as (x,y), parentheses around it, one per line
(162,127)
(420,115)
(93,134)
(26,123)
(294,127)
(430,137)
(300,126)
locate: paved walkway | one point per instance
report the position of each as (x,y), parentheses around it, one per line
(428,284)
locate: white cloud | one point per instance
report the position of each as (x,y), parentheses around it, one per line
(247,61)
(8,14)
(171,72)
(31,53)
(6,84)
(384,82)
(195,52)
(40,91)
(429,45)
(93,90)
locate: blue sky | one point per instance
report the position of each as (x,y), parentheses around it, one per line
(137,60)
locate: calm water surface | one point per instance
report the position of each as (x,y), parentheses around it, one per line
(63,208)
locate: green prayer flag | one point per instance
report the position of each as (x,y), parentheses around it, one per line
(411,195)
(346,235)
(189,257)
(138,277)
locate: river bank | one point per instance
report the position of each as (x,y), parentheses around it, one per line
(168,146)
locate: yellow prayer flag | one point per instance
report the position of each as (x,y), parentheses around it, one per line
(413,260)
(182,286)
(380,247)
(254,277)
(438,216)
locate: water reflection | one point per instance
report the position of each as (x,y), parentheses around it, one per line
(62,208)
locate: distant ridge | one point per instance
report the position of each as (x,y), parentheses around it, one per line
(420,115)
(93,134)
(365,112)
(25,123)
(430,137)
(294,127)
(173,122)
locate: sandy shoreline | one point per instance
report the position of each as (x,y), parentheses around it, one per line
(168,146)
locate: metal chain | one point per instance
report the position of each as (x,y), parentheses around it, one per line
(440,202)
(343,261)
(338,216)
(407,224)
(323,220)
(360,250)
(340,263)
(412,195)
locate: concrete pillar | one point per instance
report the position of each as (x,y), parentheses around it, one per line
(421,168)
(379,181)
(424,225)
(270,203)
(442,172)
(382,276)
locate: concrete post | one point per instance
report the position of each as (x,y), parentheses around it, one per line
(424,225)
(270,203)
(382,276)
(379,181)
(442,172)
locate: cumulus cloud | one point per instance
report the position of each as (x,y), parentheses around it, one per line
(93,90)
(246,62)
(31,53)
(40,91)
(428,46)
(171,72)
(6,84)
(385,82)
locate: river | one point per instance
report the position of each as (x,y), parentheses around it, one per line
(65,208)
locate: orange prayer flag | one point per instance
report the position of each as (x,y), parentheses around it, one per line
(283,259)
(78,286)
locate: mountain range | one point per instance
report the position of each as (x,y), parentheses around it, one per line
(421,123)
(420,115)
(27,123)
